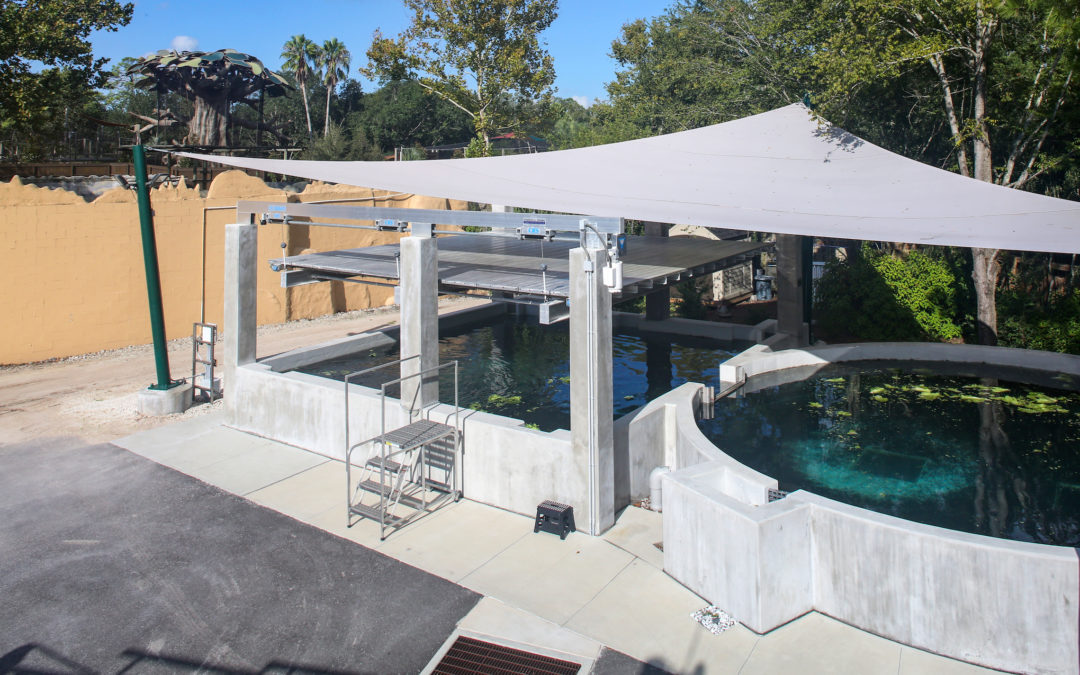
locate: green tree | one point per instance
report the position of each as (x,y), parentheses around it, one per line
(53,34)
(889,295)
(401,113)
(299,53)
(704,62)
(334,60)
(480,56)
(1004,73)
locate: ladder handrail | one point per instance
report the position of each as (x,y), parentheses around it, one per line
(348,447)
(384,496)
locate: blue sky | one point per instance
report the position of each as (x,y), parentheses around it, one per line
(579,40)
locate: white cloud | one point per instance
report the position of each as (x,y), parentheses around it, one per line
(583,101)
(184,43)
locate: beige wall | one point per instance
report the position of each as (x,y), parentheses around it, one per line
(72,271)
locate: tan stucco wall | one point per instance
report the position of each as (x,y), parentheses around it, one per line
(72,271)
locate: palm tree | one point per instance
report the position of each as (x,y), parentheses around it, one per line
(334,62)
(299,54)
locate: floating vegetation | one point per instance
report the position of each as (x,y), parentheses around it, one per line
(500,401)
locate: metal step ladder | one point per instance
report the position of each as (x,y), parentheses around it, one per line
(203,337)
(411,470)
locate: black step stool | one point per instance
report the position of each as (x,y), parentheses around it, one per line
(555,518)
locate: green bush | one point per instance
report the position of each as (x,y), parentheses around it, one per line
(1054,327)
(888,296)
(924,286)
(691,306)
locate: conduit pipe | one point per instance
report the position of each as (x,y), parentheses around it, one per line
(656,490)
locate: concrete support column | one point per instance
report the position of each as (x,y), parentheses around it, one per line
(241,262)
(419,298)
(591,436)
(658,303)
(792,310)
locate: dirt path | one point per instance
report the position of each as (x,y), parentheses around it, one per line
(94,397)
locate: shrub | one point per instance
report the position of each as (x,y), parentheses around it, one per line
(888,296)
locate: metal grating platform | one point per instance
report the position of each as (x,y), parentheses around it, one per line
(416,434)
(513,265)
(468,656)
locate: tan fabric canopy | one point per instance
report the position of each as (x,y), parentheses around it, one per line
(782,171)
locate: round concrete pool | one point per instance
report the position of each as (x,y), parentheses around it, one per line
(984,450)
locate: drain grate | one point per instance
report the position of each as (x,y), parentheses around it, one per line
(476,657)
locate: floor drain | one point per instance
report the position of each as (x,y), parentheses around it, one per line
(469,656)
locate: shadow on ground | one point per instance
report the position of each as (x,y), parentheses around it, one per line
(112,563)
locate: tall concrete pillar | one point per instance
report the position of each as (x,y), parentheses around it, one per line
(419,297)
(591,436)
(792,310)
(241,262)
(657,303)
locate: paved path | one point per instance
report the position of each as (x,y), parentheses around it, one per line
(569,599)
(112,561)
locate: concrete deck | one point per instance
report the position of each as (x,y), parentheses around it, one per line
(569,598)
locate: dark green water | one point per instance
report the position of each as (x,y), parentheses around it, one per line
(522,370)
(966,452)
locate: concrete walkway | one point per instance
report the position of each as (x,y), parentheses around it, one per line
(565,598)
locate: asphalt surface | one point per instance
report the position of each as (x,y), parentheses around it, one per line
(111,563)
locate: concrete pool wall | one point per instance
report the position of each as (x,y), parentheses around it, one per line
(1004,604)
(503,463)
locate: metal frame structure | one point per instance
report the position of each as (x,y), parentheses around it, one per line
(526,225)
(203,339)
(403,458)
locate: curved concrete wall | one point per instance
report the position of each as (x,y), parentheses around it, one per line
(1003,604)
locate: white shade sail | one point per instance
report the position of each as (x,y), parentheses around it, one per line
(782,171)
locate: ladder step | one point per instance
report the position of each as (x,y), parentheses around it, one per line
(372,513)
(391,465)
(376,488)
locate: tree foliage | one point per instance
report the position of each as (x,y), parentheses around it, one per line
(51,35)
(703,63)
(300,56)
(889,295)
(480,56)
(1002,72)
(402,113)
(334,60)
(984,87)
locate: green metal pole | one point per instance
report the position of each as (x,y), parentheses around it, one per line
(153,278)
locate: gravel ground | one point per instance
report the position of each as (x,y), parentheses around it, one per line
(94,397)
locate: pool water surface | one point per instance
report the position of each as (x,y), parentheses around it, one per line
(522,370)
(963,451)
